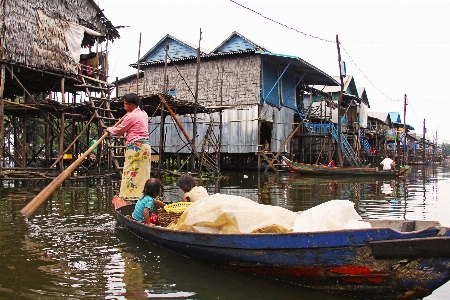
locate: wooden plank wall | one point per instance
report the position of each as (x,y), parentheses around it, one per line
(231,81)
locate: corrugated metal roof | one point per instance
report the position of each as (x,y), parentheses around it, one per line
(193,58)
(178,49)
(131,77)
(238,42)
(312,75)
(382,116)
(394,117)
(348,82)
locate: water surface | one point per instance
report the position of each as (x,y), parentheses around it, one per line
(72,247)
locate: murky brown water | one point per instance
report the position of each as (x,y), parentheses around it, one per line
(72,247)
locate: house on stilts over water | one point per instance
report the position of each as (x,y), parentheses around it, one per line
(250,93)
(54,95)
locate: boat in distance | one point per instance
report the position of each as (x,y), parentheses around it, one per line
(325,170)
(395,259)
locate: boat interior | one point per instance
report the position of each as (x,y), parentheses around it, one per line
(397,225)
(407,225)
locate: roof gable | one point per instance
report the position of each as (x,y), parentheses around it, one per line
(237,42)
(395,117)
(349,86)
(363,96)
(177,49)
(382,116)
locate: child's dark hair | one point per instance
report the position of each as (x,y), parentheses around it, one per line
(153,187)
(186,181)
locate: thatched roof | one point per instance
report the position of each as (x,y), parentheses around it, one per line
(42,43)
(37,33)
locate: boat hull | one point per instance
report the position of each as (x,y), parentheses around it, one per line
(339,261)
(324,170)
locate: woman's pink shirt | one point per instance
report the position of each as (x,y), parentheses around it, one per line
(135,125)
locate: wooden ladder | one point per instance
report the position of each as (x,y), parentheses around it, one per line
(115,146)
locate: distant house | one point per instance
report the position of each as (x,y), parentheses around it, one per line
(353,111)
(387,136)
(261,89)
(354,106)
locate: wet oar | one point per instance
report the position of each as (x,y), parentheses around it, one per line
(31,207)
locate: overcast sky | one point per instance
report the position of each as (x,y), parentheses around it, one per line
(392,48)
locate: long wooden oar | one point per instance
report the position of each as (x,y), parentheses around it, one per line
(31,207)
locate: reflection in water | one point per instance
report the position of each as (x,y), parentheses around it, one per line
(72,247)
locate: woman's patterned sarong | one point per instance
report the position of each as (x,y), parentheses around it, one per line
(136,169)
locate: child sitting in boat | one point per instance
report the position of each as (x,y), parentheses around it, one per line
(146,205)
(192,191)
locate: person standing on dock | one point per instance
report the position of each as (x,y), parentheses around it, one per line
(136,169)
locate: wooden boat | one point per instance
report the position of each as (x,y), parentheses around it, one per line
(394,259)
(419,163)
(324,170)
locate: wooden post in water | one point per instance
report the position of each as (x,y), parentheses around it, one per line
(339,152)
(163,117)
(405,146)
(138,64)
(2,112)
(194,127)
(423,142)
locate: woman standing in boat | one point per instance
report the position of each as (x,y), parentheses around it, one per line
(136,169)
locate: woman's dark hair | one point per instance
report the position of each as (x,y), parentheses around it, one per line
(153,187)
(186,181)
(133,98)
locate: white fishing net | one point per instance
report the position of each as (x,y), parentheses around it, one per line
(220,213)
(331,215)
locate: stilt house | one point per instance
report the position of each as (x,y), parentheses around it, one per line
(321,111)
(256,90)
(41,56)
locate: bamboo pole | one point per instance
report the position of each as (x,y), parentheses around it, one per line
(423,142)
(44,114)
(162,122)
(194,126)
(61,141)
(339,150)
(61,155)
(174,117)
(34,204)
(2,114)
(405,146)
(138,64)
(24,143)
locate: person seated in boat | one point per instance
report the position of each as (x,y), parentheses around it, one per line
(331,163)
(192,191)
(146,204)
(387,163)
